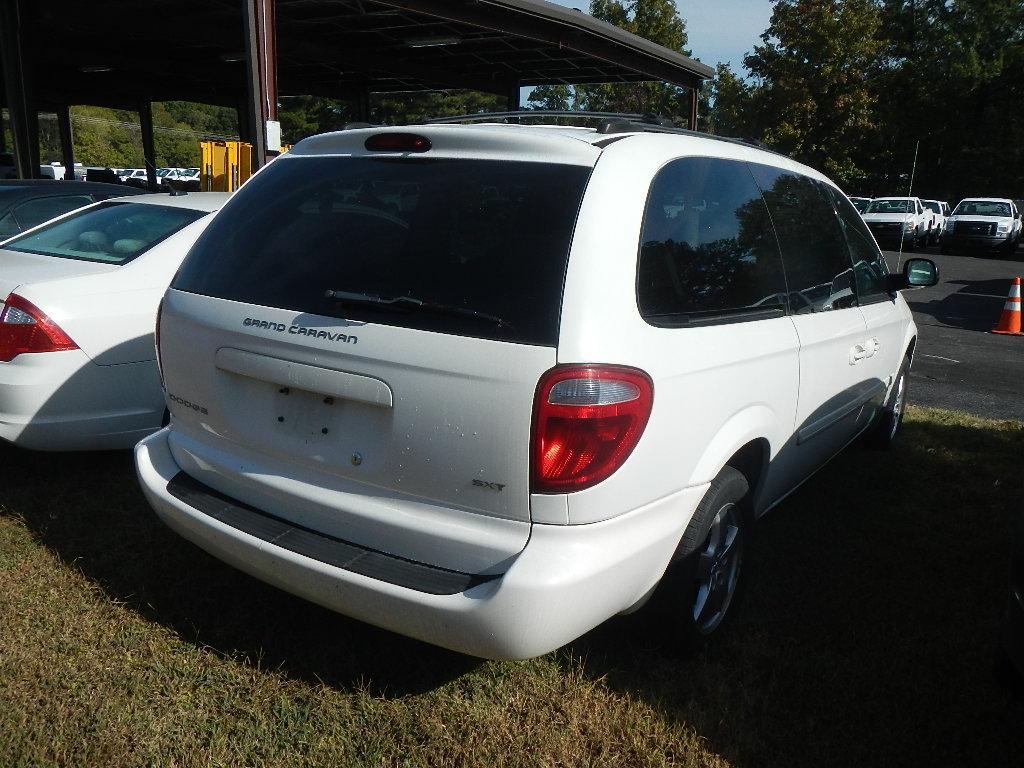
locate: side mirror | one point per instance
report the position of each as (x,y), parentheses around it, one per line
(917,273)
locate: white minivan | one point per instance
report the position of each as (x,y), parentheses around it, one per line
(486,385)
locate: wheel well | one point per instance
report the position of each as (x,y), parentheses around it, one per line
(751,460)
(911,347)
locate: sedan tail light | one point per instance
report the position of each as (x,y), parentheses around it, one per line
(25,328)
(586,422)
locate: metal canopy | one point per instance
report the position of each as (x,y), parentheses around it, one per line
(123,53)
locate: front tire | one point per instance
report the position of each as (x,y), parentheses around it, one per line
(701,590)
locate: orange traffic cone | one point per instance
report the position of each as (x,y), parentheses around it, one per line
(1009,322)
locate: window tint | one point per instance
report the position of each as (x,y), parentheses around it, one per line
(8,226)
(981,208)
(469,237)
(707,249)
(818,268)
(112,233)
(33,212)
(869,267)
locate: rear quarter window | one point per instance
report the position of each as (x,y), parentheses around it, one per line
(708,252)
(484,237)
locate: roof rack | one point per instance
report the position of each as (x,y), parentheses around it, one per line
(607,123)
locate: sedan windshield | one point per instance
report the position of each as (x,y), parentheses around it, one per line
(110,233)
(981,208)
(933,205)
(890,206)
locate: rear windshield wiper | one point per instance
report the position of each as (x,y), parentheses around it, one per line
(410,303)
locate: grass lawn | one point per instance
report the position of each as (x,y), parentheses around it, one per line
(867,638)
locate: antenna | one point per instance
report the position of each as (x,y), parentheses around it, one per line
(913,169)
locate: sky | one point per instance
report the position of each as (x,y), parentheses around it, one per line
(719,30)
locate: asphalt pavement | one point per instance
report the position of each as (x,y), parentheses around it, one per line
(959,364)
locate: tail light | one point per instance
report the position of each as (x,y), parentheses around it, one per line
(25,328)
(586,422)
(156,342)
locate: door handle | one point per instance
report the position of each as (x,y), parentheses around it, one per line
(857,353)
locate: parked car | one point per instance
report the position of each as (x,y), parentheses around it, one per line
(860,203)
(77,361)
(983,224)
(27,203)
(137,178)
(940,212)
(1013,625)
(898,221)
(489,391)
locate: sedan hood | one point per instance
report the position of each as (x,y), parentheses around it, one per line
(21,268)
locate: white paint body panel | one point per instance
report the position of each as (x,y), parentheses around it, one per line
(107,394)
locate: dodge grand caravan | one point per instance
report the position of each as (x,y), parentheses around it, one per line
(487,385)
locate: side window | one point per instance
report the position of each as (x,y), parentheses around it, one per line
(818,268)
(43,209)
(708,252)
(869,268)
(8,226)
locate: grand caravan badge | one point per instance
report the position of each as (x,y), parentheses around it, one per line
(300,330)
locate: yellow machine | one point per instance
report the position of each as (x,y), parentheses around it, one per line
(226,165)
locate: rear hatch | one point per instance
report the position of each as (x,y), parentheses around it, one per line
(355,342)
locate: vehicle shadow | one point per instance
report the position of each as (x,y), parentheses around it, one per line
(869,630)
(975,306)
(88,509)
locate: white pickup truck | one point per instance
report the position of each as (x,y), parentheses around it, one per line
(991,224)
(896,221)
(940,212)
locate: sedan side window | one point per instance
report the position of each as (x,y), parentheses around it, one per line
(814,252)
(707,249)
(871,274)
(33,212)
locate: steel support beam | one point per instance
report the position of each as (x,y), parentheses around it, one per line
(261,79)
(693,108)
(513,96)
(67,145)
(363,106)
(24,118)
(148,146)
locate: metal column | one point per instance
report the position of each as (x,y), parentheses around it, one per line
(24,118)
(261,76)
(693,107)
(67,146)
(363,106)
(148,146)
(513,96)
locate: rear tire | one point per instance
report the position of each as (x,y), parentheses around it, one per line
(882,434)
(701,590)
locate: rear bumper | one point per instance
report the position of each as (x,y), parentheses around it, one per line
(566,581)
(62,401)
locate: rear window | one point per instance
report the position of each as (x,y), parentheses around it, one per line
(476,241)
(110,233)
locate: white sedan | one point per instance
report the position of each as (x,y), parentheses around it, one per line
(78,303)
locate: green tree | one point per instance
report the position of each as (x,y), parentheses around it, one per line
(951,83)
(811,97)
(725,104)
(655,20)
